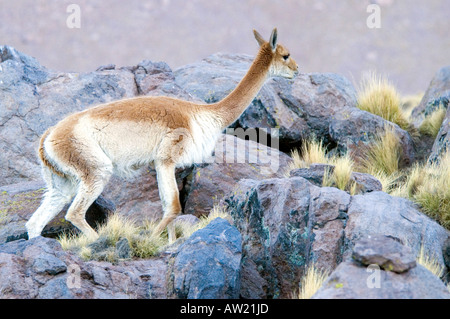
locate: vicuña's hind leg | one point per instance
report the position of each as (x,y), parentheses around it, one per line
(59,193)
(86,195)
(168,192)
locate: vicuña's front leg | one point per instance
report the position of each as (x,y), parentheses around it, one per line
(168,192)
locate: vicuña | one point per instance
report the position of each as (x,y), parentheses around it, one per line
(82,152)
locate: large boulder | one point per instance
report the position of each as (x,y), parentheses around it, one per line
(207,265)
(351,280)
(234,159)
(288,224)
(322,104)
(378,213)
(441,144)
(279,220)
(382,268)
(384,252)
(437,94)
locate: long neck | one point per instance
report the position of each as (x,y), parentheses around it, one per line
(232,106)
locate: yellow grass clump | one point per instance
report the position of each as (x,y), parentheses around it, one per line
(312,151)
(432,123)
(429,186)
(311,281)
(429,263)
(142,243)
(378,96)
(383,155)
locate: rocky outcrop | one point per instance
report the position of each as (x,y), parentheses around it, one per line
(320,104)
(441,144)
(283,221)
(287,224)
(208,264)
(382,268)
(437,94)
(234,159)
(39,268)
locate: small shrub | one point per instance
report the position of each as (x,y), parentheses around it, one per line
(311,282)
(312,151)
(142,243)
(378,96)
(343,168)
(429,186)
(430,263)
(383,155)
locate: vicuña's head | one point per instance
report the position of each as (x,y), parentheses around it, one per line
(282,64)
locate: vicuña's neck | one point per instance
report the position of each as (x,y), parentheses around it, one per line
(232,106)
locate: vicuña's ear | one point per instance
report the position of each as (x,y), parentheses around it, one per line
(273,39)
(258,37)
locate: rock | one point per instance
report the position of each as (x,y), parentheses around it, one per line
(446,254)
(314,174)
(19,201)
(272,217)
(217,75)
(123,249)
(378,213)
(157,78)
(33,98)
(441,144)
(352,281)
(328,212)
(438,93)
(320,104)
(366,183)
(288,224)
(39,268)
(48,264)
(353,130)
(234,160)
(385,252)
(207,265)
(188,219)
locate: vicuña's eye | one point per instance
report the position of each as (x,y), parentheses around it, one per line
(285,57)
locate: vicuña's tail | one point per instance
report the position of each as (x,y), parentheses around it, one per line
(43,155)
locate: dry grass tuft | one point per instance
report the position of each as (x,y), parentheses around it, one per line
(383,155)
(142,243)
(311,282)
(343,168)
(312,151)
(378,96)
(430,263)
(429,186)
(186,229)
(432,123)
